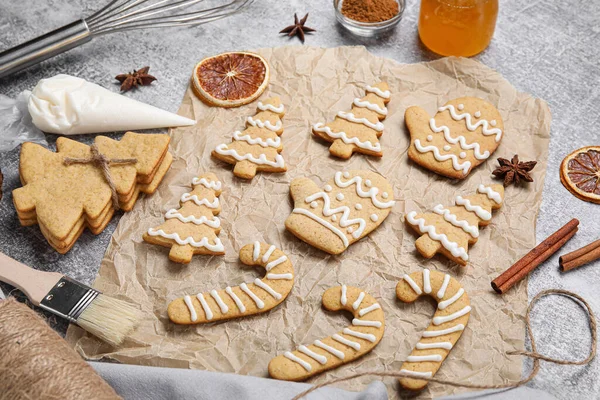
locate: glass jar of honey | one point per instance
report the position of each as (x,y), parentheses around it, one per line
(457,27)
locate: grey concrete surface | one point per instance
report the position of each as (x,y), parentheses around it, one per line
(547,48)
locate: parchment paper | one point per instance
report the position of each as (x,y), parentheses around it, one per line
(314,84)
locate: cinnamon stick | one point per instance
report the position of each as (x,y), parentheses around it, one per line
(577,258)
(535,257)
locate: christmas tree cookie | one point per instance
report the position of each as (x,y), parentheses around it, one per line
(451,230)
(193,227)
(257,148)
(359,129)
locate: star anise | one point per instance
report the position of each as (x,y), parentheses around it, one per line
(135,79)
(298,28)
(513,170)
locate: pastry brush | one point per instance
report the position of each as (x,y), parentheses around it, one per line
(110,319)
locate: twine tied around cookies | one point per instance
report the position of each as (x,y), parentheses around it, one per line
(101,161)
(531,354)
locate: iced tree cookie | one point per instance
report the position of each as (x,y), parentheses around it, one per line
(194,226)
(343,347)
(462,135)
(359,129)
(451,230)
(347,209)
(246,299)
(257,148)
(447,326)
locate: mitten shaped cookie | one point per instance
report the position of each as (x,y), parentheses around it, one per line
(451,230)
(358,130)
(462,135)
(246,299)
(193,228)
(347,209)
(257,148)
(343,347)
(447,326)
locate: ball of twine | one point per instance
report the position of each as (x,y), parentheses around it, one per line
(36,363)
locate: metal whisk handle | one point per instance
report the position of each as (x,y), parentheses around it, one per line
(44,47)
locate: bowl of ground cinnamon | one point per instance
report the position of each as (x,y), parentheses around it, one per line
(368,17)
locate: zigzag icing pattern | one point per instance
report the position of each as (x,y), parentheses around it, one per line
(371,193)
(476,147)
(320,127)
(473,230)
(199,202)
(485,125)
(449,245)
(378,92)
(217,247)
(264,124)
(214,185)
(371,106)
(456,164)
(344,219)
(491,193)
(270,107)
(262,159)
(237,135)
(348,116)
(215,222)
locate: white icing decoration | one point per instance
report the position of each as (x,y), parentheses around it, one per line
(370,106)
(366,336)
(429,138)
(460,107)
(367,145)
(378,92)
(275,263)
(314,204)
(217,247)
(385,195)
(477,114)
(259,303)
(334,351)
(220,302)
(349,343)
(453,219)
(264,124)
(205,307)
(213,223)
(343,298)
(462,154)
(358,206)
(367,310)
(442,292)
(464,167)
(256,251)
(368,183)
(360,322)
(491,193)
(334,217)
(270,107)
(262,159)
(446,303)
(287,276)
(426,281)
(339,196)
(350,230)
(451,317)
(470,126)
(345,221)
(374,217)
(328,188)
(188,302)
(298,360)
(235,299)
(317,357)
(269,142)
(214,185)
(481,213)
(476,147)
(412,284)
(371,193)
(199,202)
(417,374)
(267,289)
(438,345)
(348,116)
(346,174)
(326,224)
(268,253)
(447,147)
(443,332)
(358,301)
(431,357)
(452,247)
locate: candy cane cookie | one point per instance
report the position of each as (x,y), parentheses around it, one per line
(447,326)
(246,299)
(343,347)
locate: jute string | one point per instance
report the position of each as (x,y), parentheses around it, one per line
(531,354)
(104,163)
(36,363)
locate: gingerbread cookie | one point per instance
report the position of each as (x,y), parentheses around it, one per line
(358,130)
(343,347)
(257,148)
(451,230)
(247,299)
(448,323)
(193,228)
(462,135)
(347,209)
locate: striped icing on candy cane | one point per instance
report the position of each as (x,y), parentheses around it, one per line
(341,347)
(445,329)
(246,299)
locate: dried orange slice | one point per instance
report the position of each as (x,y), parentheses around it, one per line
(231,79)
(580,173)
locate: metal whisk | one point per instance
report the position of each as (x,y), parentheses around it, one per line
(116,16)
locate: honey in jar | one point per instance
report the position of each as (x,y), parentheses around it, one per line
(457,27)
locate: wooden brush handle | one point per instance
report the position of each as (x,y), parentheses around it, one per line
(35,284)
